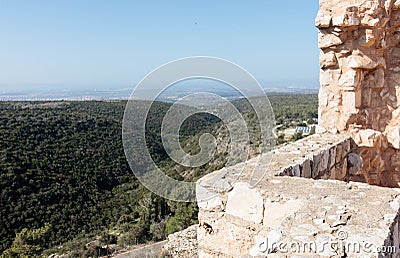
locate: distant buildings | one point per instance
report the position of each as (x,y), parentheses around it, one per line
(303,129)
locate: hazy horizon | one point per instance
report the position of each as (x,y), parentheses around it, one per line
(124,93)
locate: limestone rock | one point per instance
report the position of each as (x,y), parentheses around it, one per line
(349,78)
(246,203)
(345,20)
(323,20)
(349,102)
(396,5)
(393,136)
(214,203)
(368,138)
(267,245)
(183,243)
(354,163)
(326,78)
(276,212)
(328,60)
(328,40)
(361,62)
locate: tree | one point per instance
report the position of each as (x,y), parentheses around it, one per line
(311,121)
(157,230)
(280,139)
(28,242)
(297,136)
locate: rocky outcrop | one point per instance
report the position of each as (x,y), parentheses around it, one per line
(360,80)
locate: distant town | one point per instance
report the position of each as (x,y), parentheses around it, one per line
(124,93)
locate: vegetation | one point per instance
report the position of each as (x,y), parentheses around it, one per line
(63,165)
(294,109)
(66,186)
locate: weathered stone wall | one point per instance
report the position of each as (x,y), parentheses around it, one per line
(240,220)
(324,156)
(360,80)
(182,243)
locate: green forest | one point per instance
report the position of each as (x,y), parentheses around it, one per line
(66,186)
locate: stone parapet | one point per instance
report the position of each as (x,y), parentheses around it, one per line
(285,215)
(182,243)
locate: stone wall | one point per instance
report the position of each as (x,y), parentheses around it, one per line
(182,243)
(360,81)
(285,215)
(325,156)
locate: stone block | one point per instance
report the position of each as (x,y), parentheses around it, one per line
(316,168)
(368,138)
(328,60)
(306,168)
(361,62)
(296,170)
(339,20)
(345,20)
(341,170)
(346,147)
(326,40)
(323,20)
(349,78)
(354,162)
(213,204)
(266,245)
(332,157)
(324,160)
(393,136)
(349,102)
(245,203)
(366,96)
(339,153)
(326,77)
(394,77)
(276,212)
(224,237)
(323,96)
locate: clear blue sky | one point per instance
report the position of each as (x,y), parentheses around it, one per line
(113,44)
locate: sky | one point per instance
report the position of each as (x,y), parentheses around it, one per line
(64,45)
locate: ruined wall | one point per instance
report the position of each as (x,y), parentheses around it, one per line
(182,243)
(360,80)
(289,214)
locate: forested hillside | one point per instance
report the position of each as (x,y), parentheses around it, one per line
(64,178)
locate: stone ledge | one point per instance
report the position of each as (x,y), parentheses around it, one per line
(287,209)
(318,156)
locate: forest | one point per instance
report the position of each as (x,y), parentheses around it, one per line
(66,186)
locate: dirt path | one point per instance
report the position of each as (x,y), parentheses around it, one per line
(148,251)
